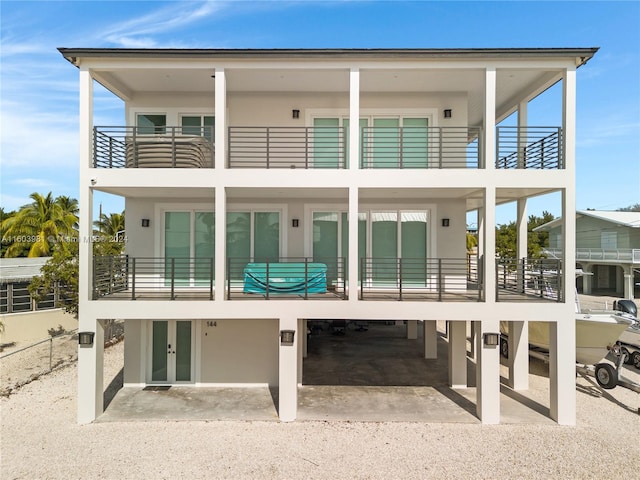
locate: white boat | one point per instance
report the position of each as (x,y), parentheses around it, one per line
(596,332)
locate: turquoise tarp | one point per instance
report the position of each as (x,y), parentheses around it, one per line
(285,278)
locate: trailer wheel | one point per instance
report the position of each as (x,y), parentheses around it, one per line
(635,359)
(627,354)
(504,347)
(606,376)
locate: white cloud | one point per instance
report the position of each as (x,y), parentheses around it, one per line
(134,33)
(35,138)
(33,182)
(13,202)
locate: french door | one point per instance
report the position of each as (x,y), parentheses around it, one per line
(171,351)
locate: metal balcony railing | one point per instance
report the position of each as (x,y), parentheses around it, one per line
(153,147)
(529,279)
(419,279)
(300,278)
(623,255)
(287,147)
(419,147)
(529,147)
(124,277)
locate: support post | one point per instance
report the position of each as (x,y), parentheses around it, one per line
(430,339)
(519,355)
(288,372)
(487,375)
(457,354)
(412,329)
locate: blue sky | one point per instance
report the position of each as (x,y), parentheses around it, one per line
(39,99)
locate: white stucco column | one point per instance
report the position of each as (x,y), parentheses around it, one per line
(522,132)
(489,124)
(628,282)
(302,345)
(354,260)
(562,332)
(487,374)
(220,243)
(221,119)
(90,372)
(519,355)
(489,244)
(430,339)
(521,240)
(354,118)
(305,339)
(457,354)
(412,329)
(288,372)
(587,280)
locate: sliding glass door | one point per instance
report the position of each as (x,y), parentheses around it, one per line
(189,248)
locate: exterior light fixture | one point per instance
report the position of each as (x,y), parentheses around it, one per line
(445,222)
(286,337)
(447,113)
(295,223)
(145,222)
(295,113)
(491,339)
(85,338)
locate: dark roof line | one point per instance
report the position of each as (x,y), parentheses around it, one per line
(72,54)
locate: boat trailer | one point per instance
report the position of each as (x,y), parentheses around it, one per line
(608,376)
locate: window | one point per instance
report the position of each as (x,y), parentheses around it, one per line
(189,247)
(199,125)
(609,240)
(252,237)
(149,124)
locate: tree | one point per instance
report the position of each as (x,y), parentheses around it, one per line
(506,236)
(111,225)
(37,226)
(61,271)
(631,208)
(4,215)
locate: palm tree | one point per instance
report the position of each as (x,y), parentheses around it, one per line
(37,226)
(110,225)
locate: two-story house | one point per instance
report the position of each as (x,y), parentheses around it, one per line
(264,188)
(607,248)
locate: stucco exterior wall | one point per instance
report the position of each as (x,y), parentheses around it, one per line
(240,351)
(34,326)
(133,351)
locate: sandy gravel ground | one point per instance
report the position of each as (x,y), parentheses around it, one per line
(40,440)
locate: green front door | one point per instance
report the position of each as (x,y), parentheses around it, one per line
(328,147)
(171,351)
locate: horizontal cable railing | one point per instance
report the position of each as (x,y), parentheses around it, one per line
(124,277)
(287,147)
(153,147)
(418,279)
(286,278)
(529,279)
(529,147)
(631,255)
(419,147)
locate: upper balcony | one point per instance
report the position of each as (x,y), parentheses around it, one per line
(275,147)
(153,147)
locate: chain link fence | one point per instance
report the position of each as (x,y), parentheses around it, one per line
(27,364)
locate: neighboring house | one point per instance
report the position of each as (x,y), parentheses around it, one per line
(266,187)
(607,246)
(15,277)
(23,318)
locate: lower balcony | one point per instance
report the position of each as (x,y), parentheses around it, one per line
(529,279)
(300,278)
